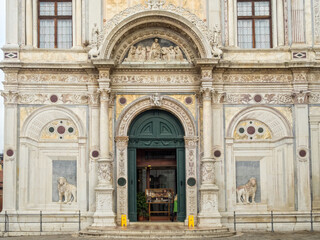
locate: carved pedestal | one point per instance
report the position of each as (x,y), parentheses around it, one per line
(209,215)
(104,215)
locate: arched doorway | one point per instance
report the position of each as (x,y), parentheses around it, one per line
(156,152)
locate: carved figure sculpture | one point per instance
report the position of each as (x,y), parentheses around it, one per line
(244,192)
(155,53)
(172,54)
(66,190)
(179,55)
(132,54)
(140,54)
(165,52)
(94,51)
(94,35)
(155,50)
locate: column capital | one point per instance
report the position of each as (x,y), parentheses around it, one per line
(122,141)
(300,97)
(104,94)
(206,92)
(218,97)
(191,142)
(10,97)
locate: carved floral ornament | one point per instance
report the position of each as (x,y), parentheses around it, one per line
(212,38)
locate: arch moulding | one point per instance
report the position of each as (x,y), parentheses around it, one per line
(164,103)
(169,15)
(274,119)
(191,142)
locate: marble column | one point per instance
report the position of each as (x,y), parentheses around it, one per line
(29,23)
(209,215)
(104,215)
(93,99)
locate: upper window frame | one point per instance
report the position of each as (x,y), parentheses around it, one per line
(253,17)
(55,17)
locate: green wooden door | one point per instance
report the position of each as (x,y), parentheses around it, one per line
(161,130)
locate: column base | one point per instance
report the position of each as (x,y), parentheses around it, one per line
(212,220)
(104,220)
(104,215)
(209,215)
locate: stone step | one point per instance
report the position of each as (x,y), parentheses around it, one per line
(156,236)
(162,231)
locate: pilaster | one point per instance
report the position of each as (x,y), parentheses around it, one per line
(10,150)
(300,97)
(29,22)
(122,186)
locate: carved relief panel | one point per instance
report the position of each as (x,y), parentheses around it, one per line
(155,50)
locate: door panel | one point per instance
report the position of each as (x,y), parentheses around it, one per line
(132,187)
(181,182)
(156,129)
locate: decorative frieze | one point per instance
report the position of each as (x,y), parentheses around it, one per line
(53,78)
(257,78)
(267,98)
(174,79)
(42,98)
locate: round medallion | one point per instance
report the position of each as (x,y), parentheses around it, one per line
(217,153)
(122,100)
(95,154)
(70,130)
(54,98)
(122,182)
(241,130)
(260,130)
(61,129)
(188,100)
(9,152)
(51,129)
(191,182)
(257,98)
(302,153)
(251,130)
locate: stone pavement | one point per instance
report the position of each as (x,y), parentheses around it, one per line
(240,236)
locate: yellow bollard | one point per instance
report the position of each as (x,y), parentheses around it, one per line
(123,220)
(191,221)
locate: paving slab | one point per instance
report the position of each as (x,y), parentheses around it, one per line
(239,236)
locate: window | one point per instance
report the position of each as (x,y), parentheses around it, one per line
(55,24)
(254,24)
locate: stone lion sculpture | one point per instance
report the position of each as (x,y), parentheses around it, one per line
(244,192)
(66,190)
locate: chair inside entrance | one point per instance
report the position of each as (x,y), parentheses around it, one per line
(157,178)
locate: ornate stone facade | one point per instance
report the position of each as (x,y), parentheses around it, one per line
(245,113)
